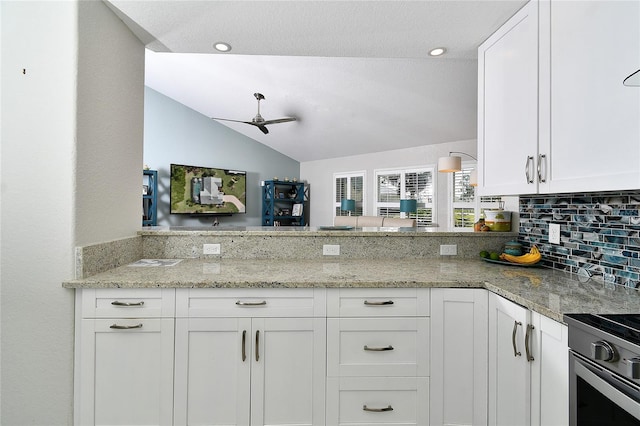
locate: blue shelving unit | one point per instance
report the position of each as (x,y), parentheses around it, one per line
(149,197)
(284,203)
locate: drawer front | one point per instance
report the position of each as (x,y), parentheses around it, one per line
(245,302)
(378,347)
(128,303)
(377,302)
(378,400)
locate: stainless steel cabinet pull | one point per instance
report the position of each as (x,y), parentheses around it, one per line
(386,348)
(527,169)
(513,338)
(124,327)
(244,345)
(388,302)
(377,410)
(527,340)
(542,178)
(117,303)
(257,345)
(241,303)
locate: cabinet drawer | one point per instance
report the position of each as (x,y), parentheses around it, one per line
(399,401)
(377,302)
(128,303)
(246,302)
(378,347)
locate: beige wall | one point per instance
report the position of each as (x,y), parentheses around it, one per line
(70,175)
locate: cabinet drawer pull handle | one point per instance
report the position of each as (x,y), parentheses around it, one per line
(542,176)
(385,348)
(385,303)
(244,345)
(125,327)
(241,303)
(377,410)
(513,338)
(527,339)
(118,303)
(257,345)
(527,169)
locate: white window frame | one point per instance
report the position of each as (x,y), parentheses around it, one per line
(377,204)
(479,204)
(349,175)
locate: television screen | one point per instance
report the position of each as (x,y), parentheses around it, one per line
(206,190)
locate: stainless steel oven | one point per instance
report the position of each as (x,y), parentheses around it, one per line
(604,369)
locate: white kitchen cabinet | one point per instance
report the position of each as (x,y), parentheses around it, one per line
(508,106)
(459,345)
(124,357)
(250,367)
(553,114)
(378,356)
(528,367)
(595,127)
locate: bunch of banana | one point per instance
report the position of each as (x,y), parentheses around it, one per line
(530,258)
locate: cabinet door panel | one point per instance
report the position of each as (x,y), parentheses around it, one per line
(212,380)
(459,356)
(288,378)
(126,375)
(595,130)
(509,373)
(508,106)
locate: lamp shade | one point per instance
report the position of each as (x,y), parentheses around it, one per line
(348,205)
(449,164)
(473,177)
(408,206)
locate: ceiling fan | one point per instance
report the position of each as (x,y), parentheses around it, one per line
(258,121)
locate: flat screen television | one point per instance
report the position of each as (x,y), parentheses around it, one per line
(197,190)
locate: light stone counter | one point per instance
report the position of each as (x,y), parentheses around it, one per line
(548,292)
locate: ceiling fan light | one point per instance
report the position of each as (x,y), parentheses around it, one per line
(222,47)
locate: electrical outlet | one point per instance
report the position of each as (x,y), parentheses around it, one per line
(211,249)
(331,249)
(448,249)
(554,233)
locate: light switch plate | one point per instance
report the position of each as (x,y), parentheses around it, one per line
(331,249)
(448,249)
(554,233)
(211,249)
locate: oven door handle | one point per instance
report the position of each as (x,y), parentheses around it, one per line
(619,398)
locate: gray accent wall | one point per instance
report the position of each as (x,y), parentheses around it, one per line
(174,133)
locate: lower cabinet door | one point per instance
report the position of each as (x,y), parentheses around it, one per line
(212,371)
(388,401)
(288,370)
(126,372)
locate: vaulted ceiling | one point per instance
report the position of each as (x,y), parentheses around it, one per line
(356,74)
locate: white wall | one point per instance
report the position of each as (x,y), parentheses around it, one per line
(50,203)
(320,175)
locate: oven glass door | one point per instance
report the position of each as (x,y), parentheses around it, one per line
(599,397)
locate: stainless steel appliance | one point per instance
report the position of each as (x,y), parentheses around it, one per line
(604,369)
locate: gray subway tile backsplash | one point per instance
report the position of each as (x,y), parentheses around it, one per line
(599,233)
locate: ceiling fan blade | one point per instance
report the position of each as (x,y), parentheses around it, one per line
(262,128)
(235,121)
(279,120)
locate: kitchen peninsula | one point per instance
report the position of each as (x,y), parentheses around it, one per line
(271,329)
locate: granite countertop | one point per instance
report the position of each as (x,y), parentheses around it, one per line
(551,293)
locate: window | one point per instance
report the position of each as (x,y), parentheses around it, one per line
(349,186)
(465,208)
(394,185)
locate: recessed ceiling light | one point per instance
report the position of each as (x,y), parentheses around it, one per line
(222,47)
(437,51)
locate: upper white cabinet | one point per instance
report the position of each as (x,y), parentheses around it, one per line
(508,106)
(553,114)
